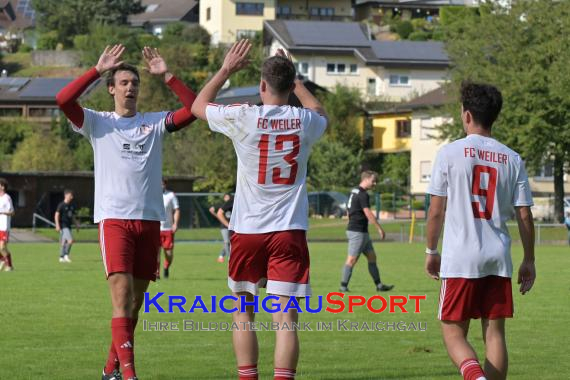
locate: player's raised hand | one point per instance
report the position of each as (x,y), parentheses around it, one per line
(154,61)
(110,58)
(527,275)
(433,263)
(283,53)
(236,58)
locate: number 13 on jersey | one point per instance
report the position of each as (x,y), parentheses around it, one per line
(290,158)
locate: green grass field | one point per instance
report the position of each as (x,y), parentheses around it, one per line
(55,320)
(326,230)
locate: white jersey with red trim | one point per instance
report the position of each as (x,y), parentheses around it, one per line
(170,204)
(272,144)
(482,180)
(5,206)
(128,164)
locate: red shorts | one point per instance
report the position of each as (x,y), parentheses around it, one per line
(130,246)
(167,239)
(5,236)
(488,297)
(278,260)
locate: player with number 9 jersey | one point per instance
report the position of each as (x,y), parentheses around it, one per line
(482,180)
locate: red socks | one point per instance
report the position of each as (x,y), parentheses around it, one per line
(248,372)
(166,264)
(123,334)
(471,370)
(113,360)
(9,260)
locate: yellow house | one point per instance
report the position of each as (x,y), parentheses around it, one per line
(391,131)
(228,20)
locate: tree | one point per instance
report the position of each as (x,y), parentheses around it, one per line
(396,169)
(524,50)
(343,106)
(99,35)
(69,18)
(12,133)
(332,165)
(198,151)
(42,152)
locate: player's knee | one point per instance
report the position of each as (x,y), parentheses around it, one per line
(69,242)
(371,256)
(351,260)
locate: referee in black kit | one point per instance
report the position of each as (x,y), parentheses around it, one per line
(359,214)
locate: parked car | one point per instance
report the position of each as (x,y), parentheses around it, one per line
(327,203)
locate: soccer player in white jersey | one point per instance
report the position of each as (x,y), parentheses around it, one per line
(6,213)
(475,183)
(270,213)
(127,148)
(168,228)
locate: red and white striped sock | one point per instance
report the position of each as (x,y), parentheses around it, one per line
(248,372)
(284,374)
(471,370)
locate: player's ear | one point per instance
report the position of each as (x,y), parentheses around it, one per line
(263,86)
(292,87)
(111,90)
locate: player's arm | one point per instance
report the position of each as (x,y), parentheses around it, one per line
(222,218)
(235,60)
(56,220)
(156,65)
(527,270)
(372,219)
(176,219)
(212,210)
(307,99)
(436,215)
(67,97)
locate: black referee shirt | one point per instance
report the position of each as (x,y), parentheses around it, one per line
(358,200)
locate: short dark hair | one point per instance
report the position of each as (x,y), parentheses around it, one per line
(483,101)
(279,73)
(121,67)
(4,183)
(67,191)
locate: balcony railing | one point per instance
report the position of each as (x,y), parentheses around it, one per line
(304,16)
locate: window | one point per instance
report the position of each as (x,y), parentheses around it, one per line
(403,128)
(303,68)
(11,112)
(336,68)
(208,13)
(42,112)
(151,8)
(426,129)
(399,80)
(252,9)
(317,11)
(545,172)
(244,33)
(371,87)
(283,10)
(425,171)
(353,68)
